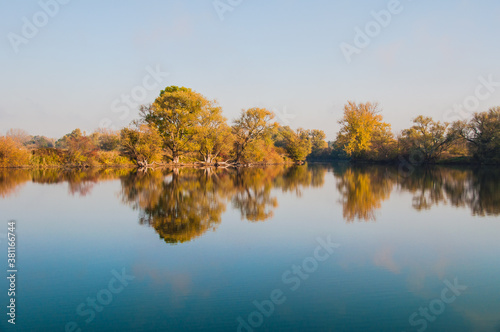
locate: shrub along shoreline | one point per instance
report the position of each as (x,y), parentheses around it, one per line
(155,166)
(183,128)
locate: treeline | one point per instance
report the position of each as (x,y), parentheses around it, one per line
(183,127)
(180,127)
(364,136)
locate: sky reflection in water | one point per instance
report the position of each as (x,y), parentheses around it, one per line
(204,244)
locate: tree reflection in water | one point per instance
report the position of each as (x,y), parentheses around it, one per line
(80,181)
(182,204)
(364,188)
(362,191)
(478,188)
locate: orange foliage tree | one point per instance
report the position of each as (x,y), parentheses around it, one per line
(12,153)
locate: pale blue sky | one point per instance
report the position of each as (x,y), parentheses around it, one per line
(283,55)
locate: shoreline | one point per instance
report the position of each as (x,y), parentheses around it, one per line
(162,165)
(202,165)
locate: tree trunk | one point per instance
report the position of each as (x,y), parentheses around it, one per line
(238,155)
(175,155)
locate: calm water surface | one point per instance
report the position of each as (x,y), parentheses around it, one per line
(307,248)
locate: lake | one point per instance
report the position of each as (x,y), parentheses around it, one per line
(316,247)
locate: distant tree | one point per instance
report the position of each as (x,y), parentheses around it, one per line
(106,139)
(321,150)
(62,143)
(318,143)
(19,135)
(141,143)
(80,148)
(482,132)
(360,124)
(40,142)
(426,137)
(176,114)
(253,125)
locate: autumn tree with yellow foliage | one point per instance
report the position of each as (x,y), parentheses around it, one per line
(214,135)
(176,114)
(251,129)
(141,143)
(362,131)
(183,126)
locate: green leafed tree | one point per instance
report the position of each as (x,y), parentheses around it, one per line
(176,114)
